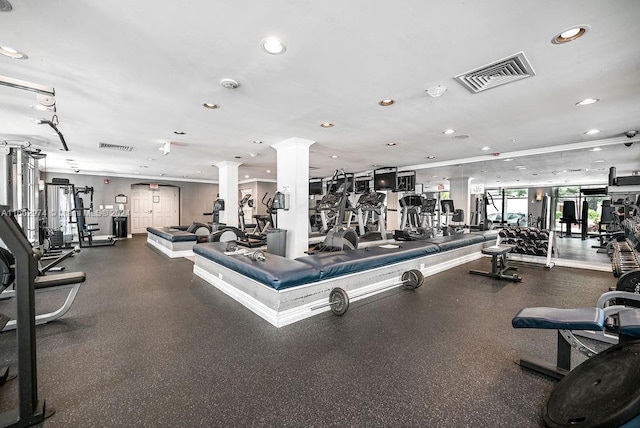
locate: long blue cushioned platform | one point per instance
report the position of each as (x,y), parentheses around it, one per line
(562,319)
(172,235)
(453,242)
(630,323)
(280,273)
(344,262)
(276,272)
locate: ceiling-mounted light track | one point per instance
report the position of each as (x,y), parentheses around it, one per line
(27,86)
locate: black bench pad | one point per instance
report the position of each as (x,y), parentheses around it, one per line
(276,272)
(630,323)
(172,235)
(453,242)
(562,319)
(332,264)
(59,279)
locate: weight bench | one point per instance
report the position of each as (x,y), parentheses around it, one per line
(566,320)
(499,263)
(63,281)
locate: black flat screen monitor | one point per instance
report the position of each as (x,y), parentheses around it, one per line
(406,181)
(385,179)
(363,184)
(315,186)
(447,206)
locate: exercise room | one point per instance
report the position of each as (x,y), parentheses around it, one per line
(275,214)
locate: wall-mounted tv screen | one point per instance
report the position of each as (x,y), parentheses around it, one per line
(315,186)
(363,184)
(406,181)
(385,179)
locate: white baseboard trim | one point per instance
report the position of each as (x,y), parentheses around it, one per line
(168,252)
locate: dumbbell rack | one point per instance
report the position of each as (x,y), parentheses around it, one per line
(535,245)
(624,258)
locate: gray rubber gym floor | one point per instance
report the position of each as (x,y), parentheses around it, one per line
(148,344)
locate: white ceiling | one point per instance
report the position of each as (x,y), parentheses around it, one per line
(132,73)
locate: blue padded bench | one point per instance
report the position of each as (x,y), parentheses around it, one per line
(560,319)
(629,324)
(453,242)
(565,320)
(172,235)
(333,264)
(276,272)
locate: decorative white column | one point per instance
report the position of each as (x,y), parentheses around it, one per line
(228,190)
(459,192)
(293,180)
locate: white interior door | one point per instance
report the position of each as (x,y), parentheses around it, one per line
(165,207)
(154,207)
(140,209)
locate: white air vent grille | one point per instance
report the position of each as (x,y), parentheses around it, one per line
(115,147)
(506,70)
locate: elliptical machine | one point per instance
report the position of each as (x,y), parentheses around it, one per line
(339,238)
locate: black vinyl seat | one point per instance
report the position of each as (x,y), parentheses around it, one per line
(568,217)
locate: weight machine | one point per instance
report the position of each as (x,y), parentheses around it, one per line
(86,230)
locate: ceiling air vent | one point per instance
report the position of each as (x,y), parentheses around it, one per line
(115,147)
(506,70)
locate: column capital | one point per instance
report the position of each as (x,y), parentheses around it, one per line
(292,142)
(228,164)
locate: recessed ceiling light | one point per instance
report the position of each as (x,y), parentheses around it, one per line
(570,34)
(431,157)
(599,161)
(12,53)
(448,131)
(335,157)
(273,45)
(257,142)
(587,101)
(508,159)
(161,174)
(435,176)
(246,176)
(485,148)
(391,144)
(136,172)
(229,83)
(40,107)
(211,105)
(521,167)
(595,149)
(268,171)
(386,102)
(198,172)
(437,91)
(327,125)
(179,132)
(592,131)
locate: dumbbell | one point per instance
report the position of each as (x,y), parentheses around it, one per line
(339,299)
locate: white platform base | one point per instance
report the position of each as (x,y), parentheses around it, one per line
(284,307)
(171,249)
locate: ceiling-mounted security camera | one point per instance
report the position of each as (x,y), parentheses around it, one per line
(631,134)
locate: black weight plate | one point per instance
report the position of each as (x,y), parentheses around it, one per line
(412,279)
(258,256)
(339,301)
(602,391)
(630,282)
